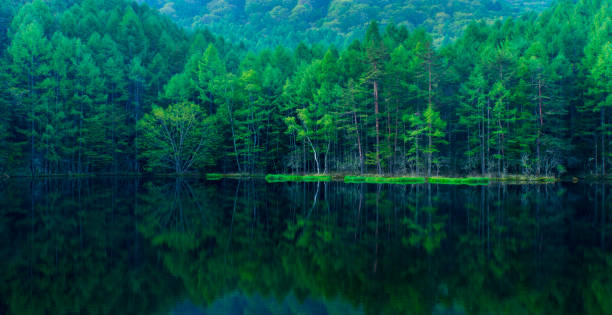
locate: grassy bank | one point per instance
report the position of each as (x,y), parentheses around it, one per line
(367,178)
(219,176)
(377,179)
(417,180)
(384,180)
(526,179)
(459,181)
(281,178)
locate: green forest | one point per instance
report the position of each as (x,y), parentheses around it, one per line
(264,23)
(117,87)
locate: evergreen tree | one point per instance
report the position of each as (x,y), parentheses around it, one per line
(30,53)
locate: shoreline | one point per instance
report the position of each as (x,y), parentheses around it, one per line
(339,177)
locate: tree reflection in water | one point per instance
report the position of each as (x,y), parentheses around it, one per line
(152,246)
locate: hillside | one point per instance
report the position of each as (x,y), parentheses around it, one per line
(263,23)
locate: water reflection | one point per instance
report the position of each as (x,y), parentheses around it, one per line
(177,246)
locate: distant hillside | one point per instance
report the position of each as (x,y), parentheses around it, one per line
(7,9)
(272,22)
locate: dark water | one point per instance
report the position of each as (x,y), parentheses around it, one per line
(132,246)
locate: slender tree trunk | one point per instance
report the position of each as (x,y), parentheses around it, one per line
(429,134)
(500,149)
(488,132)
(603,141)
(229,110)
(358,140)
(377,126)
(136,109)
(113,142)
(388,145)
(31,84)
(326,170)
(396,134)
(418,159)
(541,126)
(79,166)
(314,152)
(596,154)
(481,130)
(429,153)
(540,101)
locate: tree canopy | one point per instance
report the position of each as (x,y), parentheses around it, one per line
(527,95)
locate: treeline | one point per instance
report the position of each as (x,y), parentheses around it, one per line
(75,78)
(529,96)
(267,23)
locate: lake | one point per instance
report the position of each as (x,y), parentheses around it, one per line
(189,246)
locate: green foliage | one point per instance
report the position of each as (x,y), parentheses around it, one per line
(267,23)
(78,88)
(84,84)
(177,138)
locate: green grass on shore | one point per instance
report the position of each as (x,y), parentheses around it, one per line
(384,180)
(402,180)
(375,179)
(417,180)
(459,181)
(526,178)
(214,176)
(219,176)
(281,178)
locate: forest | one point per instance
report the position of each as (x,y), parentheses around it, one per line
(115,87)
(265,23)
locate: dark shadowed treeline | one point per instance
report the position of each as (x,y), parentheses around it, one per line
(126,246)
(112,87)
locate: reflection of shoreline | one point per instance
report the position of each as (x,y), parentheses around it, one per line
(486,248)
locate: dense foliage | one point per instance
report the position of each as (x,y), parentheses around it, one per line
(529,95)
(264,23)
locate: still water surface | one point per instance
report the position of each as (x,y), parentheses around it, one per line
(136,246)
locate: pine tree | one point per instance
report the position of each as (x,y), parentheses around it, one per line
(376,54)
(473,118)
(30,52)
(210,75)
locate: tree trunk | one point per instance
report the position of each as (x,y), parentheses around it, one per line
(314,152)
(358,140)
(603,141)
(377,126)
(596,154)
(541,126)
(488,132)
(396,134)
(229,110)
(429,134)
(481,130)
(326,165)
(31,84)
